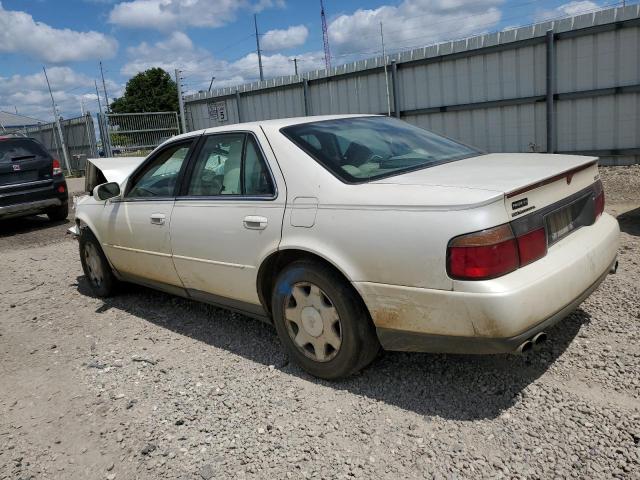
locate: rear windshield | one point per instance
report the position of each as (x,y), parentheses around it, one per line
(13,149)
(362,149)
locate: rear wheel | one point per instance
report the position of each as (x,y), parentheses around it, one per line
(58,213)
(321,321)
(95,265)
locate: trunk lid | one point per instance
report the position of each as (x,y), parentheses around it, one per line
(23,160)
(528,181)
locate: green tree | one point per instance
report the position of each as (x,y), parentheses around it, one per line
(150,91)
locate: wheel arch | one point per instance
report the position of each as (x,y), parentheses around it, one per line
(272,265)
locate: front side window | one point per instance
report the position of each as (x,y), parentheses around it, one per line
(362,149)
(230,164)
(159,178)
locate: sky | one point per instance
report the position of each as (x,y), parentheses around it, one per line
(206,38)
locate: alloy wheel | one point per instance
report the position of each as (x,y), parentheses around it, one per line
(313,322)
(94,265)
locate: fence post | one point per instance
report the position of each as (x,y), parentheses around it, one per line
(104,134)
(305,93)
(396,89)
(551,76)
(91,133)
(238,106)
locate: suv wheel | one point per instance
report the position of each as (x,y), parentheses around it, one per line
(95,265)
(322,322)
(58,213)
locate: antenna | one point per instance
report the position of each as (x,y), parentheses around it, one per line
(325,38)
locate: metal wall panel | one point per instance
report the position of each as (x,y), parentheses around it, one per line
(517,128)
(487,90)
(600,123)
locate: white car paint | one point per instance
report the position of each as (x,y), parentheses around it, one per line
(388,237)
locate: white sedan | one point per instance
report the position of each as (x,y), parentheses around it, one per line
(351,233)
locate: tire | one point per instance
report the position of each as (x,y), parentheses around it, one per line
(306,299)
(58,214)
(96,268)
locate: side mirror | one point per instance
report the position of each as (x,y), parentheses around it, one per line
(106,191)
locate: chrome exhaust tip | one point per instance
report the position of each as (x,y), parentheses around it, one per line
(525,347)
(539,339)
(614,268)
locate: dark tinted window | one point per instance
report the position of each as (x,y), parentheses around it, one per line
(14,149)
(367,148)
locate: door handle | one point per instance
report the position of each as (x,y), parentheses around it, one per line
(253,222)
(158,218)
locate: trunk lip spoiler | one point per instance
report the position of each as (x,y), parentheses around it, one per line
(568,174)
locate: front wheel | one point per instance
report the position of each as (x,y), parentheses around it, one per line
(95,265)
(322,322)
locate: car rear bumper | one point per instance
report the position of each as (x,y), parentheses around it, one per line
(495,315)
(28,208)
(31,199)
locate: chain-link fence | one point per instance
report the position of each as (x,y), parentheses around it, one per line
(133,134)
(79,137)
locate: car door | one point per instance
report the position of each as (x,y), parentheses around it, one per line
(228,218)
(136,234)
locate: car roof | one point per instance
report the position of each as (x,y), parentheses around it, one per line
(274,123)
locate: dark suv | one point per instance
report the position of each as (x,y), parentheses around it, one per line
(31,180)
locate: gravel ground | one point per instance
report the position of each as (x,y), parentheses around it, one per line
(146,385)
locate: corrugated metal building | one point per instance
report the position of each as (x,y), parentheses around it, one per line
(570,85)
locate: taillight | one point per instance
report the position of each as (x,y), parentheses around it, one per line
(494,252)
(599,200)
(532,246)
(483,255)
(55,165)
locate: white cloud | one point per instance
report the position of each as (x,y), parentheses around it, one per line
(567,9)
(412,23)
(173,14)
(198,65)
(264,4)
(29,93)
(293,36)
(20,33)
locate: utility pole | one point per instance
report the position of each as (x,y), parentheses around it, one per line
(104,87)
(211,84)
(181,102)
(65,154)
(98,96)
(325,38)
(102,126)
(386,77)
(255,23)
(295,64)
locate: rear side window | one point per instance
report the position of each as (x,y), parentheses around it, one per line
(230,164)
(14,149)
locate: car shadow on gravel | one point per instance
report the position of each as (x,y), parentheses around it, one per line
(630,222)
(15,226)
(458,387)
